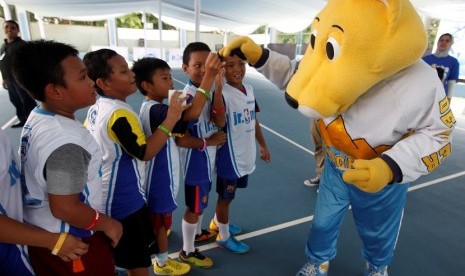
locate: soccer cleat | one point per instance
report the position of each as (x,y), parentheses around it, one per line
(232,245)
(205,235)
(233,228)
(195,259)
(311,269)
(171,268)
(373,271)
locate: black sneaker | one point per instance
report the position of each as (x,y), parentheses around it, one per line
(20,124)
(195,259)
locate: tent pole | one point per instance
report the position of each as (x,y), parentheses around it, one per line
(197,20)
(160,28)
(6,10)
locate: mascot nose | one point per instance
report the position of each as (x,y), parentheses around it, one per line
(291,101)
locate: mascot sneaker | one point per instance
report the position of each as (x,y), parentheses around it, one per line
(232,244)
(311,269)
(233,228)
(372,271)
(171,268)
(195,259)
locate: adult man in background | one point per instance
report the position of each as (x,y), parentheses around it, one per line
(22,101)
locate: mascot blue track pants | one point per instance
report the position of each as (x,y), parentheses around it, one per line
(377,217)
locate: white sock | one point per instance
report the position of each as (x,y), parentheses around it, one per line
(223,229)
(188,236)
(161,258)
(198,230)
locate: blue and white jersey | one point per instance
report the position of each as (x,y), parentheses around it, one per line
(448,65)
(13,258)
(236,157)
(122,174)
(43,133)
(163,172)
(199,166)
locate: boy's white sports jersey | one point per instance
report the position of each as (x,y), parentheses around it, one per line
(236,158)
(11,205)
(122,174)
(163,171)
(199,167)
(43,133)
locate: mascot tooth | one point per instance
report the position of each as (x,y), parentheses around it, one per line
(384,118)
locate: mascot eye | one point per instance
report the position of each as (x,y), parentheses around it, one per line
(313,38)
(332,48)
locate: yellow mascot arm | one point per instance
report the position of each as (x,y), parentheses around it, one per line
(369,176)
(247,46)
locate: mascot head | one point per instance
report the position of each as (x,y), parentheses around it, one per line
(354,44)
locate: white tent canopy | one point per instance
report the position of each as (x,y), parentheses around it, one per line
(286,16)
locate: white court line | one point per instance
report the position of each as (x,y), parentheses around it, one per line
(309,218)
(10,122)
(287,139)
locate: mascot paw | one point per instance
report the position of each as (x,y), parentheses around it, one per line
(369,176)
(247,48)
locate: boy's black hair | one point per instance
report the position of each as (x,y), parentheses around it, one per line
(145,68)
(193,47)
(97,66)
(12,22)
(38,63)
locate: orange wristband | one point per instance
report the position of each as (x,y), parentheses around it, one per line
(218,111)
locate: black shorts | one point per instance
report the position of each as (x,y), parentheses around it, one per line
(196,197)
(138,242)
(226,188)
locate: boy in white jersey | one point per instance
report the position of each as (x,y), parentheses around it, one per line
(60,161)
(153,78)
(118,131)
(236,158)
(14,233)
(198,164)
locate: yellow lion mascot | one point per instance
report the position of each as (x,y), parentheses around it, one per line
(384,119)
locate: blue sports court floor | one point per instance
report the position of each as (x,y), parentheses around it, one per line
(275,211)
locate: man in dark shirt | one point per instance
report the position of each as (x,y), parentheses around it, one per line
(22,101)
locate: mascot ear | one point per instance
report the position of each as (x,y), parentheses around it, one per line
(405,30)
(393,7)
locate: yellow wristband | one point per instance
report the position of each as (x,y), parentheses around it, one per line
(59,243)
(203,92)
(165,130)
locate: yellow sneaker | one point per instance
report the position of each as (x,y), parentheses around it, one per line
(196,259)
(171,267)
(233,228)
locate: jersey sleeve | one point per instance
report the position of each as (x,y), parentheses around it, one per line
(429,143)
(158,114)
(124,128)
(66,170)
(279,69)
(454,74)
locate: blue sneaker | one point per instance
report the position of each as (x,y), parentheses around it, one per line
(311,269)
(233,228)
(232,244)
(373,271)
